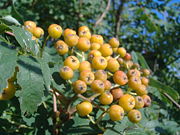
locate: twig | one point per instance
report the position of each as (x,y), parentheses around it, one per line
(170,98)
(118,18)
(54,103)
(10,33)
(103,14)
(87,99)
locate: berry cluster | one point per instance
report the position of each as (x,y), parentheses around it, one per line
(106,72)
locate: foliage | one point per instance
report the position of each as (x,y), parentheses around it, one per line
(152,38)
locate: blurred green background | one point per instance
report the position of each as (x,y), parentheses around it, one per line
(151,27)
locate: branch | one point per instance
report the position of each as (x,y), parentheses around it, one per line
(103,14)
(170,98)
(118,17)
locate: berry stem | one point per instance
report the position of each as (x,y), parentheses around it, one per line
(83,56)
(78,54)
(42,49)
(87,99)
(90,118)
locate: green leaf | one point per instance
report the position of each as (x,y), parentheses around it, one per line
(24,38)
(3,27)
(31,81)
(134,57)
(142,61)
(5,41)
(10,20)
(8,59)
(164,88)
(45,71)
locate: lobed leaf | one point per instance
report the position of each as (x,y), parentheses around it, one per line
(31,81)
(24,38)
(8,59)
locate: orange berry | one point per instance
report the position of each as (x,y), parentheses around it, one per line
(120,77)
(61,47)
(117,93)
(55,31)
(100,75)
(139,102)
(38,32)
(133,72)
(84,108)
(29,26)
(97,86)
(107,85)
(84,31)
(71,40)
(112,65)
(145,81)
(68,32)
(99,62)
(147,100)
(106,98)
(95,46)
(85,65)
(93,54)
(134,82)
(121,51)
(116,113)
(106,50)
(127,102)
(134,116)
(66,73)
(87,76)
(72,62)
(79,87)
(114,42)
(97,39)
(83,44)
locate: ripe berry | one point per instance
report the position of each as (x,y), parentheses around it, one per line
(97,39)
(68,32)
(97,86)
(85,65)
(95,46)
(107,85)
(120,77)
(141,90)
(84,31)
(114,42)
(134,116)
(61,47)
(66,73)
(99,62)
(100,75)
(117,93)
(146,72)
(115,50)
(72,62)
(71,40)
(55,31)
(106,98)
(120,60)
(112,65)
(87,76)
(38,32)
(8,92)
(93,54)
(134,82)
(121,51)
(29,26)
(147,100)
(139,102)
(133,72)
(83,44)
(128,56)
(79,87)
(145,81)
(84,108)
(127,102)
(116,112)
(106,50)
